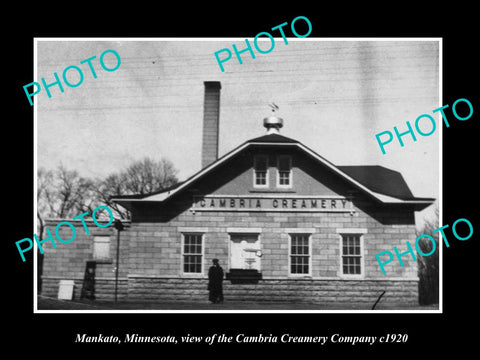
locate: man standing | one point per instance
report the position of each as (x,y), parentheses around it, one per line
(215,279)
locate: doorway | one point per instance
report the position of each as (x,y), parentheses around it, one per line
(245,252)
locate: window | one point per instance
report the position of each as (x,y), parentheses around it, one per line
(101,247)
(300,254)
(260,171)
(192,253)
(284,171)
(351,254)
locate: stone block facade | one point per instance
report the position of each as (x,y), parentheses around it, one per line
(68,261)
(363,293)
(151,256)
(249,209)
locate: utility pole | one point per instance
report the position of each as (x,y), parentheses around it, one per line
(119,226)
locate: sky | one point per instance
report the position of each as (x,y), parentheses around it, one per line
(333,96)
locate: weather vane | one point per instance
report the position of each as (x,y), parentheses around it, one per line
(273,106)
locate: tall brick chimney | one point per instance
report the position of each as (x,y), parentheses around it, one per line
(211,115)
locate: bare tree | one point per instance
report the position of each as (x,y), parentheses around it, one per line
(44,181)
(107,188)
(61,193)
(142,177)
(147,176)
(44,185)
(428,266)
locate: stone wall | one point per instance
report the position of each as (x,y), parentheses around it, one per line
(68,260)
(151,255)
(340,292)
(104,288)
(155,241)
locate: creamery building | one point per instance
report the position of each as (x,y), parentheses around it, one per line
(285,223)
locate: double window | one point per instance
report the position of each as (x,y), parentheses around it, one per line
(351,254)
(283,171)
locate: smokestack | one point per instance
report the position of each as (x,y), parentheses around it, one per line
(211,115)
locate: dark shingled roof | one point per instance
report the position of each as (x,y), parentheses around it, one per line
(380,179)
(141,196)
(273,138)
(374,177)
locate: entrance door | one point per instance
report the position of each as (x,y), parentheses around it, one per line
(245,251)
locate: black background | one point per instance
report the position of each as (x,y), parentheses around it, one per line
(53,335)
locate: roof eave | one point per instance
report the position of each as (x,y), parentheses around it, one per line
(161,197)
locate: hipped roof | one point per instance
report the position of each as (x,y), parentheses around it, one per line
(385,185)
